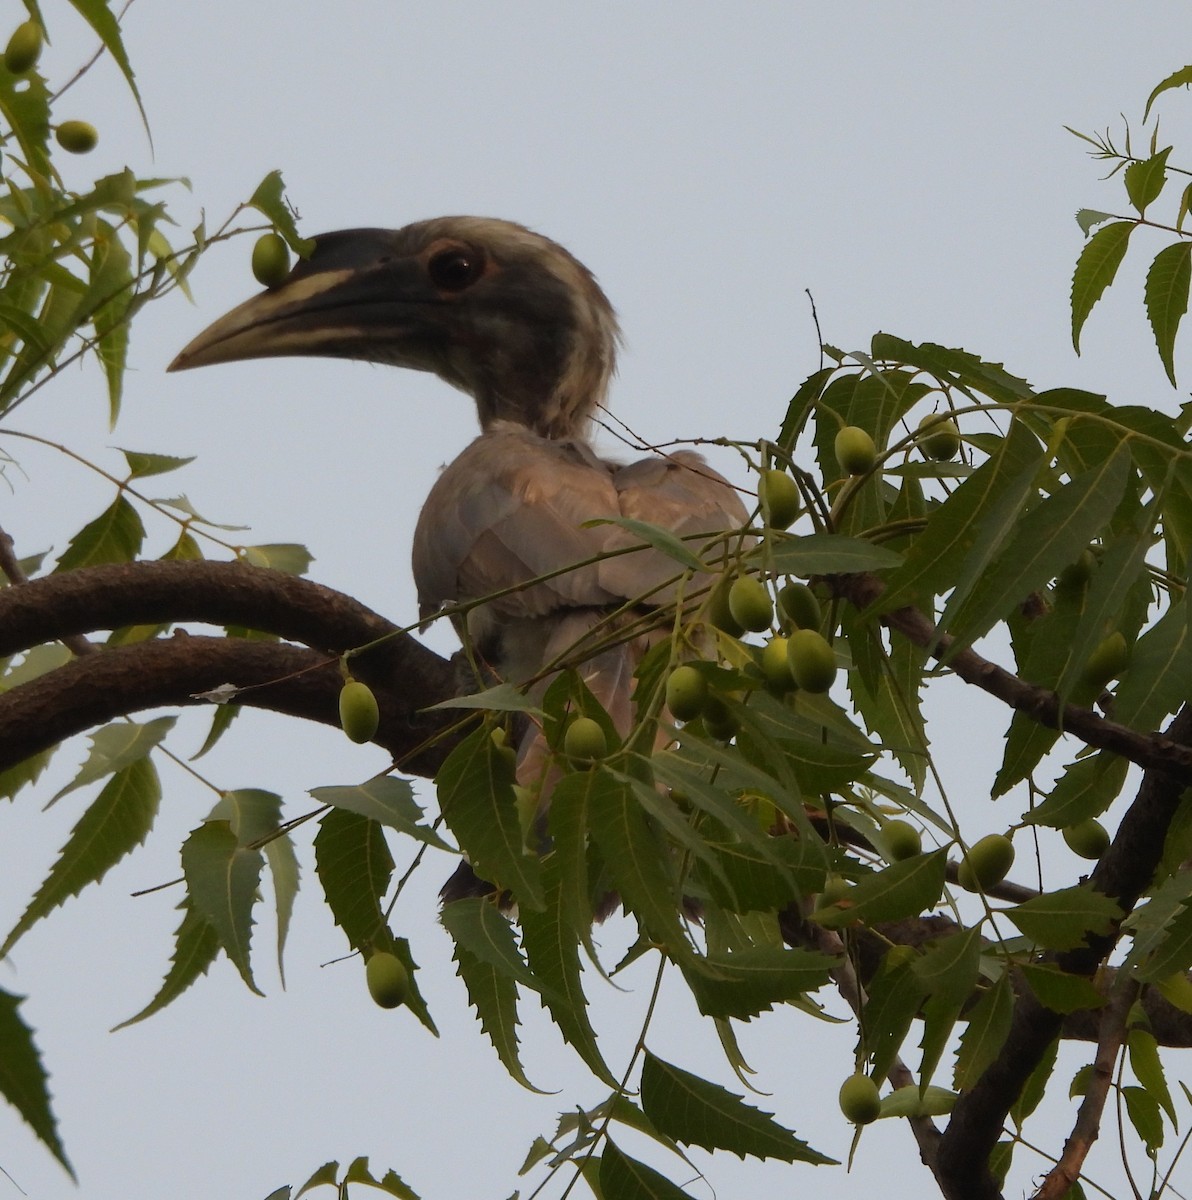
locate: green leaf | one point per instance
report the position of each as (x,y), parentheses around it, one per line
(1060,991)
(895,996)
(1167,285)
(1144,180)
(118,820)
(637,861)
(115,536)
(387,800)
(952,532)
(802,405)
(1044,541)
(222,879)
(953,367)
(1088,218)
(328,1173)
(23,1078)
(475,787)
(358,1172)
(115,747)
(1095,270)
(1155,683)
(624,1178)
(697,1112)
(1060,920)
(1172,952)
(270,199)
(1143,1110)
(749,982)
(551,945)
(140,465)
(103,22)
(904,889)
(196,947)
(492,992)
(982,1040)
(476,924)
(950,970)
(1085,789)
(659,538)
(1148,1068)
(290,557)
(1180,78)
(1036,1086)
(913,1101)
(353,863)
(504,697)
(825,554)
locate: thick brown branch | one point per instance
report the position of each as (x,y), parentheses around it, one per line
(171,671)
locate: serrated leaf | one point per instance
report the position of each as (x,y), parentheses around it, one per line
(115,747)
(328,1173)
(1167,285)
(290,557)
(749,982)
(1037,1085)
(697,1112)
(1089,218)
(1144,180)
(1155,683)
(903,889)
(358,1172)
(23,1078)
(106,27)
(1060,991)
(282,860)
(1095,271)
(1060,920)
(24,773)
(983,1038)
(624,1178)
(222,878)
(476,798)
(1084,790)
(141,465)
(895,996)
(1148,1068)
(354,865)
(476,924)
(950,969)
(1173,952)
(504,697)
(196,947)
(637,861)
(826,554)
(1143,1111)
(115,536)
(385,799)
(270,199)
(1180,78)
(118,820)
(655,536)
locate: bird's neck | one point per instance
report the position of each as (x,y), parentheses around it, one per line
(556,415)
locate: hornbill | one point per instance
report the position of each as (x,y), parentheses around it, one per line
(514,320)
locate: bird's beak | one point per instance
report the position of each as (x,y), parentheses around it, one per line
(357,296)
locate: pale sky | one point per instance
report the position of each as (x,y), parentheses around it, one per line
(711,163)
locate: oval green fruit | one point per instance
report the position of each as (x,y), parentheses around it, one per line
(584,740)
(938,439)
(718,610)
(836,888)
(779,497)
(860,1101)
(387,978)
(812,660)
(855,451)
(987,862)
(359,715)
(1107,661)
(686,692)
(903,840)
(77,137)
(776,665)
(1089,838)
(749,603)
(797,601)
(270,259)
(719,720)
(24,48)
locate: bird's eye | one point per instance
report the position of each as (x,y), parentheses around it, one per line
(455,269)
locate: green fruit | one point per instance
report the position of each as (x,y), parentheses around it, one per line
(686,693)
(500,739)
(719,720)
(798,602)
(812,660)
(24,48)
(270,259)
(387,978)
(855,451)
(78,137)
(1074,578)
(359,715)
(902,839)
(779,497)
(719,613)
(939,440)
(899,956)
(836,888)
(860,1101)
(1107,661)
(987,863)
(750,604)
(776,665)
(584,741)
(1089,838)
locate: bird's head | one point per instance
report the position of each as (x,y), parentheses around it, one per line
(500,312)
